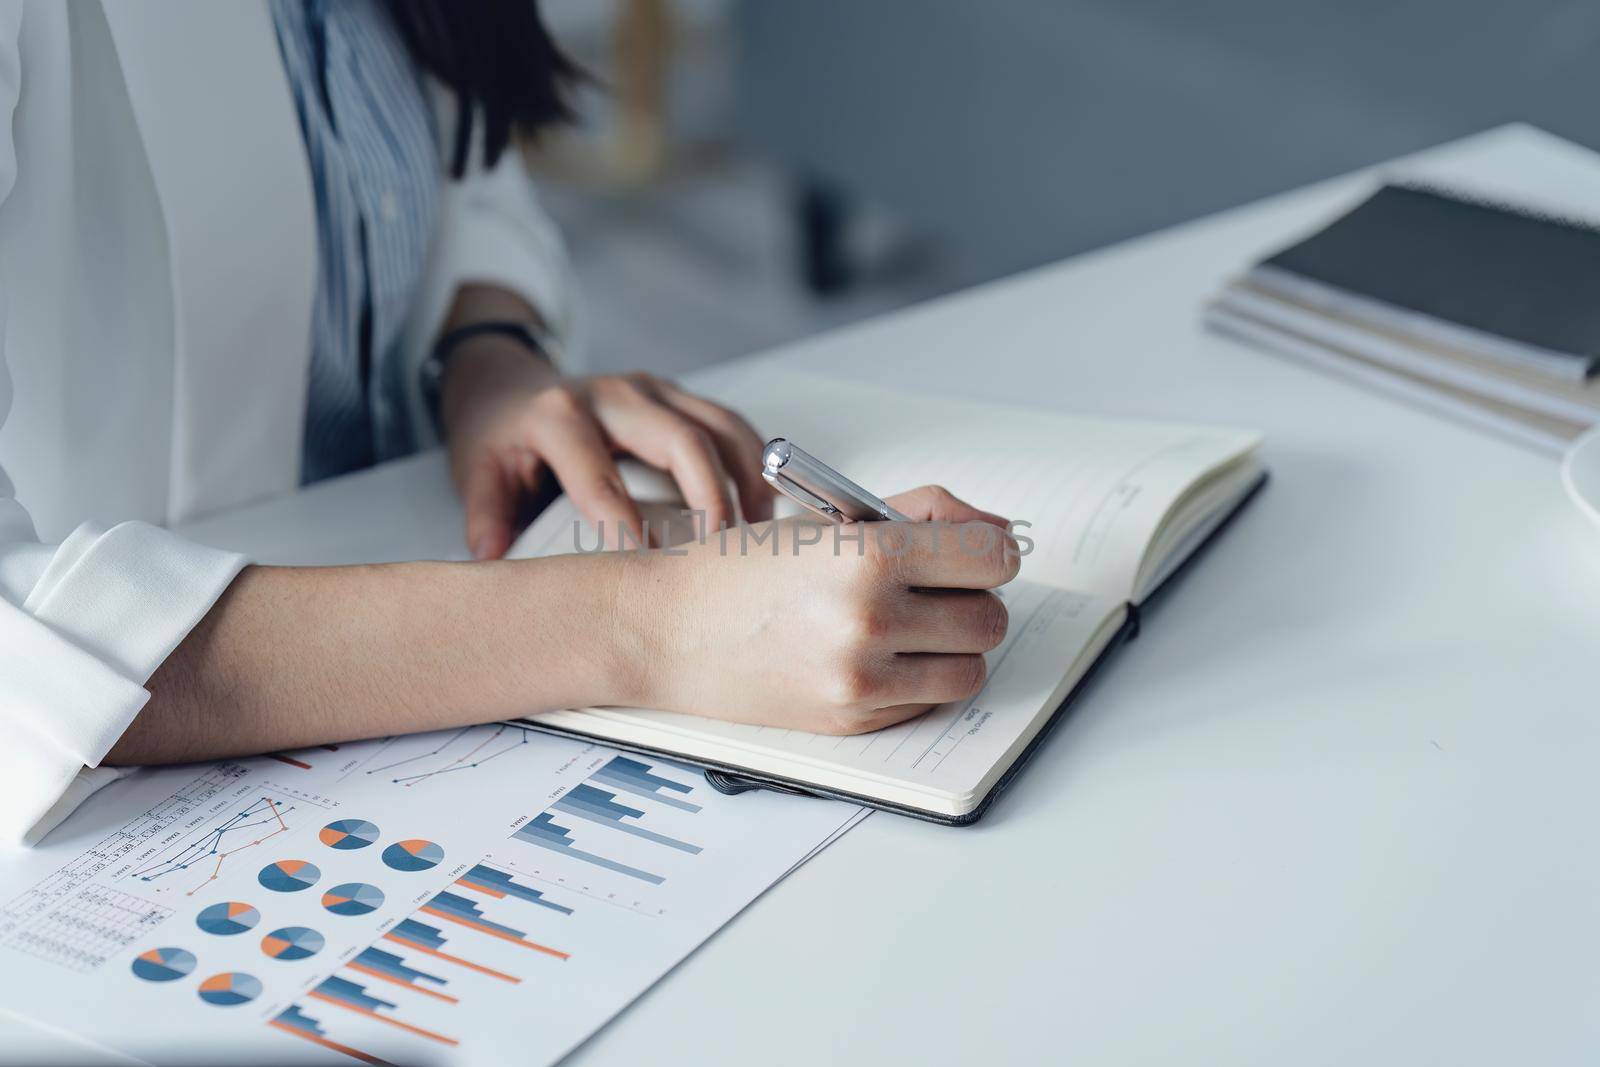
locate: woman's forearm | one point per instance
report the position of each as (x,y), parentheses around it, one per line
(291,657)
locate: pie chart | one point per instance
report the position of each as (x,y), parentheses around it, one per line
(230,988)
(292,943)
(353,898)
(229,917)
(349,834)
(289,876)
(413,855)
(163,964)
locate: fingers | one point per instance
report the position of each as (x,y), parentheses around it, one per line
(736,442)
(670,440)
(489,496)
(637,420)
(572,443)
(934,503)
(946,620)
(930,678)
(935,555)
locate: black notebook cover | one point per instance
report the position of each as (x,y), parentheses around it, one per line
(728,779)
(1528,279)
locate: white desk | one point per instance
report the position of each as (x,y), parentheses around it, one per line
(1335,805)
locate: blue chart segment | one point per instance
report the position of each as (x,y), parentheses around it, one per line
(631,776)
(347,834)
(385,966)
(230,988)
(292,943)
(227,918)
(289,876)
(596,805)
(497,883)
(542,830)
(353,898)
(413,855)
(163,964)
(596,802)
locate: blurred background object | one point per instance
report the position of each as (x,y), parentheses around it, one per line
(750,171)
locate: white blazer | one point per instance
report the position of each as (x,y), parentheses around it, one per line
(157,269)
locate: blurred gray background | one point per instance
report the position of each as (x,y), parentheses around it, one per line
(752,171)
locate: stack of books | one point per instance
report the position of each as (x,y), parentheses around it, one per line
(1483,311)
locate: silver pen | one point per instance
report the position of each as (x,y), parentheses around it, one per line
(796,473)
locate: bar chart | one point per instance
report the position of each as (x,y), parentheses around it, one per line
(353,997)
(568,826)
(632,776)
(431,941)
(497,883)
(385,966)
(292,1020)
(419,977)
(452,907)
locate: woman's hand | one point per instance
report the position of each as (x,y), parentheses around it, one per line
(832,637)
(510,417)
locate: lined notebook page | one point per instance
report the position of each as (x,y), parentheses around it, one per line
(1095,490)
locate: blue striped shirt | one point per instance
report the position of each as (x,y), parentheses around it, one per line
(375,168)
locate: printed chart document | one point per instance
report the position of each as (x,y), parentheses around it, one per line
(482,895)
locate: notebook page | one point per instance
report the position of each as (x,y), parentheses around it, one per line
(1095,490)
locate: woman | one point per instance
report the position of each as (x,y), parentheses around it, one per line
(242,247)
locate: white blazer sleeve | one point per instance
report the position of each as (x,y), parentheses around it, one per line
(492,229)
(85,623)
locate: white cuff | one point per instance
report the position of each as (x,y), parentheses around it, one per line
(110,606)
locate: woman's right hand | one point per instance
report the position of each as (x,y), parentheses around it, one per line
(836,637)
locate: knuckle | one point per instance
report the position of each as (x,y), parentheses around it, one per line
(690,438)
(851,688)
(865,623)
(561,401)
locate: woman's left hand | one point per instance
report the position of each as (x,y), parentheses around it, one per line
(511,417)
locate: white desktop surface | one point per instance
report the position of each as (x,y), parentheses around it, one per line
(1337,803)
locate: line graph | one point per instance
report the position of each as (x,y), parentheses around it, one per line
(463,750)
(259,821)
(37,904)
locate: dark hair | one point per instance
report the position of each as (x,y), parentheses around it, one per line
(499,59)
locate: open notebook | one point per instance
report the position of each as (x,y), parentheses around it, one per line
(1116,507)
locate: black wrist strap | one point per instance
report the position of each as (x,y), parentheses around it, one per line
(438,361)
